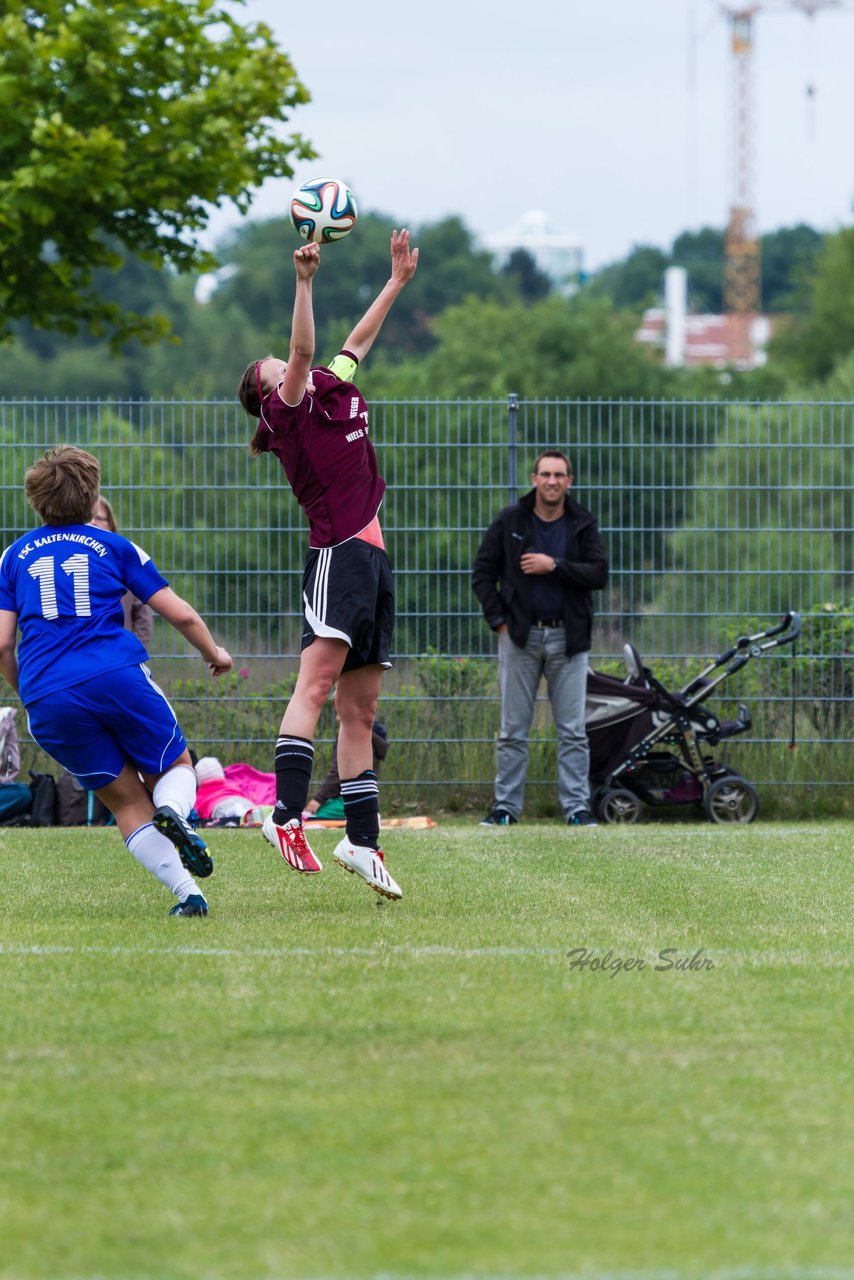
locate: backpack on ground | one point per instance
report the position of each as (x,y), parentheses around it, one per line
(77,807)
(70,801)
(43,807)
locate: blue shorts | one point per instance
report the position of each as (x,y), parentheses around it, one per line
(93,729)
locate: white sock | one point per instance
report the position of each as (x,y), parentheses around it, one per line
(159,856)
(177,788)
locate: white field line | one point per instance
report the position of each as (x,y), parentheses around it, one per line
(687,829)
(721,958)
(667,1273)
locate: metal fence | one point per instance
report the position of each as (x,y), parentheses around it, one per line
(717,516)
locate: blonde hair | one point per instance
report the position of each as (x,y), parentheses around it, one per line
(62,486)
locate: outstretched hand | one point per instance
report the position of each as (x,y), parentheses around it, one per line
(403,259)
(306,260)
(223,663)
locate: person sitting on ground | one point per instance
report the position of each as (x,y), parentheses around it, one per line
(219,801)
(327,802)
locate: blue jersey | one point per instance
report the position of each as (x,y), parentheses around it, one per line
(65,583)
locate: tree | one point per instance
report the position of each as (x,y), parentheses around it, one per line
(573,348)
(701,253)
(815,344)
(351,274)
(634,283)
(639,280)
(530,282)
(788,258)
(765,528)
(123,124)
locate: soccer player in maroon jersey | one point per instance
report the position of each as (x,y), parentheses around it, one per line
(315,421)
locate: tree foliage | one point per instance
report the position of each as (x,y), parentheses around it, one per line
(635,282)
(123,124)
(259,267)
(766,527)
(553,348)
(814,344)
(787,257)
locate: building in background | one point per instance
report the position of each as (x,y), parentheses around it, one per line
(730,341)
(557,254)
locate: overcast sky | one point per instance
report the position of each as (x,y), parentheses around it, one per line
(611,116)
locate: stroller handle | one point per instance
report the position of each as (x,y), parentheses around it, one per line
(745,648)
(792,620)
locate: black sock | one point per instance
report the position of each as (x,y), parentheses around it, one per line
(362,808)
(294,759)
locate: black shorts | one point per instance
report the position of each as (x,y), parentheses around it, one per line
(348,594)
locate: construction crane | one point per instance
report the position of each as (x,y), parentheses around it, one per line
(741,243)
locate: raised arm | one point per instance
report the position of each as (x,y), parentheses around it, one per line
(306,262)
(403,263)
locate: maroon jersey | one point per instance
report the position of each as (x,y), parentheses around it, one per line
(323,445)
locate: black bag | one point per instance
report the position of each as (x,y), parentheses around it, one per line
(70,801)
(77,807)
(43,807)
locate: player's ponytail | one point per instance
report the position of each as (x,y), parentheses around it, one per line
(249,389)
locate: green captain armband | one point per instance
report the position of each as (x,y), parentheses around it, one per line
(344,366)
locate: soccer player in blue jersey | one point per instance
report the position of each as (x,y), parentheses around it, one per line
(91,702)
(315,421)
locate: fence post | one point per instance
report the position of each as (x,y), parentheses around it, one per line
(512,444)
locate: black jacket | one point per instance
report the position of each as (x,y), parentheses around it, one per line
(506,593)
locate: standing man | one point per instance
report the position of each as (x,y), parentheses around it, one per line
(534,571)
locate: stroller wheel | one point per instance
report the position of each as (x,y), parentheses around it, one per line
(597,796)
(617,805)
(731,799)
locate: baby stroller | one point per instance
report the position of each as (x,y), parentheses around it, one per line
(649,746)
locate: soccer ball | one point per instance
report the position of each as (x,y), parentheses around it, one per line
(323,209)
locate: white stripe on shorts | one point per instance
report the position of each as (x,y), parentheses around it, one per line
(315,612)
(321,629)
(321,583)
(175,730)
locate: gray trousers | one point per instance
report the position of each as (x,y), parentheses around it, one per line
(519,675)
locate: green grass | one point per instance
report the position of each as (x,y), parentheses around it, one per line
(311,1083)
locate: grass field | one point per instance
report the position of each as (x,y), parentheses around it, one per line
(311,1083)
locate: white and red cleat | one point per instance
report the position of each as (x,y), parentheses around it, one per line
(291,843)
(370,865)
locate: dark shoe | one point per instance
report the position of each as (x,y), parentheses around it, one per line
(195,905)
(582,818)
(192,849)
(499,818)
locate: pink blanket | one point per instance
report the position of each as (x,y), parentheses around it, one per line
(210,793)
(258,787)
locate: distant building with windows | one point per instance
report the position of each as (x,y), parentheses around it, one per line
(557,254)
(723,341)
